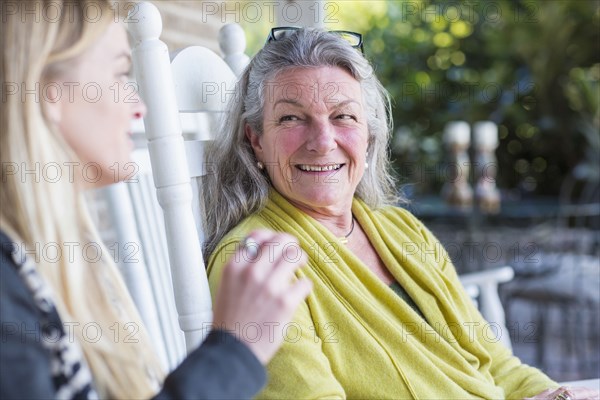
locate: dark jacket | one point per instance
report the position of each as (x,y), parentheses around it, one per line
(222,367)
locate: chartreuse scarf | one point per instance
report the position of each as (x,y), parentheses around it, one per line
(355,338)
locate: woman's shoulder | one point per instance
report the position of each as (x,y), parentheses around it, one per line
(13,289)
(18,311)
(25,371)
(32,334)
(400,214)
(407,222)
(17,300)
(10,279)
(395,210)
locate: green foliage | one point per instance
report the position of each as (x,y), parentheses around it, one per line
(530,66)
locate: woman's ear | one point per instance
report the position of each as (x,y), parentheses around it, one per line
(52,104)
(254,140)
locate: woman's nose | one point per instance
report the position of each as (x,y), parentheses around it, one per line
(321,138)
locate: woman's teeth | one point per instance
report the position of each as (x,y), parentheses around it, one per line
(319,168)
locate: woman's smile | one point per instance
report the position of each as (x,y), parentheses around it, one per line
(319,168)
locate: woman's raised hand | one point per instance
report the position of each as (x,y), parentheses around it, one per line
(258,293)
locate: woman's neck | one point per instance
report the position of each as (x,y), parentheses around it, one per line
(338,220)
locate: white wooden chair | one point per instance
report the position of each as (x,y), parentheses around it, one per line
(195,79)
(141,253)
(184,93)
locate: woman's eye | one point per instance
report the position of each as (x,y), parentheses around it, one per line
(346,116)
(287,118)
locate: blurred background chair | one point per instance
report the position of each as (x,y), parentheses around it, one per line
(483,288)
(559,282)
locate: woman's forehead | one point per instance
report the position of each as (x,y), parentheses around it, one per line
(312,84)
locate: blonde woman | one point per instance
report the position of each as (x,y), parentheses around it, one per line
(61,132)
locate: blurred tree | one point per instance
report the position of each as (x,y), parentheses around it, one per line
(530,66)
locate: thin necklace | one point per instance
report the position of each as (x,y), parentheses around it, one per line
(344,240)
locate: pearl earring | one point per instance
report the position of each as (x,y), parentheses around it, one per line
(260,165)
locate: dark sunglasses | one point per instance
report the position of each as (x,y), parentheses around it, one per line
(355,39)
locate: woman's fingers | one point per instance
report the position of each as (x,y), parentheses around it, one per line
(258,289)
(573,393)
(271,257)
(249,258)
(297,293)
(291,258)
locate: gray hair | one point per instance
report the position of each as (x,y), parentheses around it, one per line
(237,187)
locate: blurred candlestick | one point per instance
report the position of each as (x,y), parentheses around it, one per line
(456,190)
(485,133)
(485,138)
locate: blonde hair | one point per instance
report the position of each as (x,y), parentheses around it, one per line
(38,212)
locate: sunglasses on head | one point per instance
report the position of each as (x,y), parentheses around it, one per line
(354,38)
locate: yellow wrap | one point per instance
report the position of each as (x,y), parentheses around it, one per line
(355,338)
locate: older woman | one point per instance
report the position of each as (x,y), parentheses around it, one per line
(304,151)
